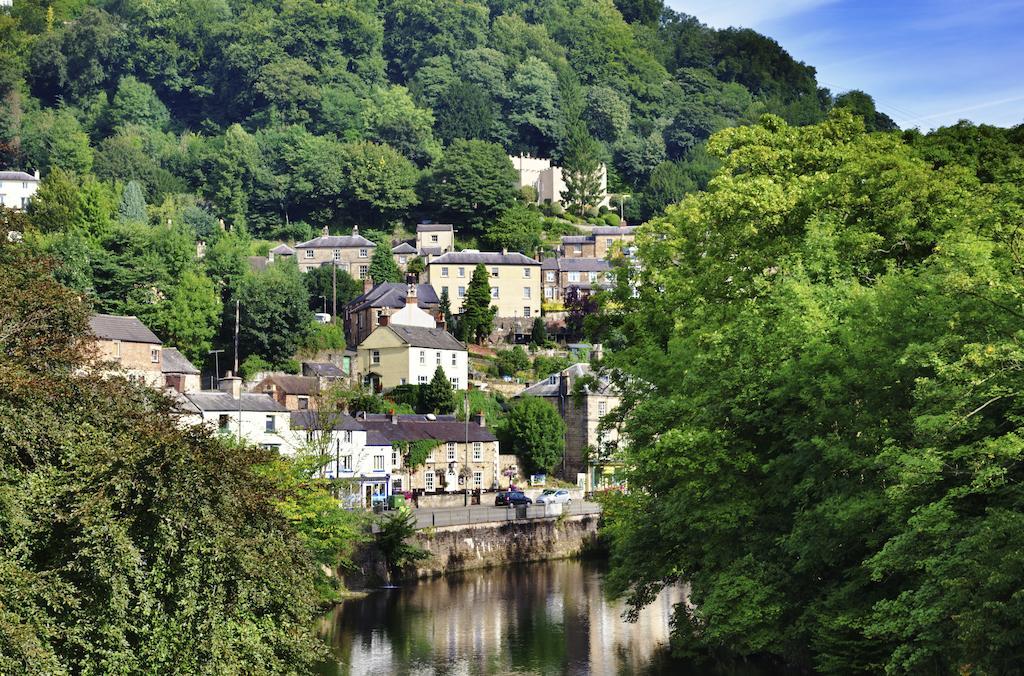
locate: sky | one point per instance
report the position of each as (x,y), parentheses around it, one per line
(927,63)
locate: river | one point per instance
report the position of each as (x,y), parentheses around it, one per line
(547,618)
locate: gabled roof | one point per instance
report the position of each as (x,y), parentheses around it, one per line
(435,227)
(283,250)
(128,329)
(176,362)
(289,384)
(420,336)
(414,427)
(324,369)
(336,242)
(606,230)
(547,388)
(485,257)
(403,248)
(304,420)
(576,264)
(216,401)
(577,239)
(431,251)
(17,176)
(393,294)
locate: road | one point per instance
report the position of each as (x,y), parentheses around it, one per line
(456,516)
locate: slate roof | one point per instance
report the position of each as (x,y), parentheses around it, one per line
(283,250)
(393,294)
(128,329)
(289,384)
(576,239)
(336,242)
(324,369)
(304,420)
(413,427)
(421,336)
(216,401)
(614,230)
(576,264)
(435,227)
(431,251)
(403,248)
(545,388)
(176,362)
(16,176)
(485,257)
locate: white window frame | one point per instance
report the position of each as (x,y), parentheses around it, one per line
(451,451)
(494,272)
(375,357)
(527,293)
(444,271)
(346,463)
(478,451)
(337,254)
(574,276)
(462,272)
(363,253)
(478,479)
(308,253)
(428,481)
(378,463)
(423,357)
(495,292)
(551,275)
(526,273)
(462,292)
(526,311)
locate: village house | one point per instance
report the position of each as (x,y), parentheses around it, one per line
(578,246)
(434,239)
(295,393)
(586,274)
(514,280)
(363,314)
(350,253)
(547,180)
(362,463)
(179,373)
(279,252)
(17,188)
(403,253)
(127,342)
(247,416)
(582,398)
(463,451)
(394,355)
(599,242)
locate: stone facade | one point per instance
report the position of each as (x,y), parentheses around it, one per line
(547,179)
(514,280)
(586,274)
(350,253)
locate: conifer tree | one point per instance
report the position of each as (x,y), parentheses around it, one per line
(383,267)
(477,320)
(437,396)
(133,204)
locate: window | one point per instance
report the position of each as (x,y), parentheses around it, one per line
(422,380)
(526,273)
(362,253)
(394,458)
(433,238)
(117,349)
(608,241)
(346,463)
(270,423)
(375,357)
(455,359)
(438,359)
(24,203)
(462,272)
(494,272)
(478,450)
(363,271)
(553,380)
(549,292)
(24,185)
(578,248)
(223,421)
(429,479)
(2,198)
(423,356)
(401,260)
(462,292)
(430,456)
(348,436)
(526,292)
(478,479)
(592,276)
(378,463)
(550,275)
(276,448)
(455,382)
(402,381)
(337,254)
(494,292)
(396,485)
(308,253)
(444,289)
(444,272)
(574,276)
(602,407)
(451,451)
(303,403)
(526,310)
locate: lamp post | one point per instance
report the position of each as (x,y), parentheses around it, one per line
(465,400)
(216,367)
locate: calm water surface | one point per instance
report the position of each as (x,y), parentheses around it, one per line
(550,618)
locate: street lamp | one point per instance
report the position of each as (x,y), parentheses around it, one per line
(622,198)
(216,368)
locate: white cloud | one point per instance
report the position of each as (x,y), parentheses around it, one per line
(745,13)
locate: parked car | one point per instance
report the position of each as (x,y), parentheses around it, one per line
(506,498)
(552,496)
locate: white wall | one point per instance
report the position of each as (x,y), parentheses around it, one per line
(426,370)
(15,194)
(412,315)
(254,428)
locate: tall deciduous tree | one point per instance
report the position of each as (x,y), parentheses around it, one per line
(274,312)
(474,183)
(535,432)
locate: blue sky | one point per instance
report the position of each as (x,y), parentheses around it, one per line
(927,63)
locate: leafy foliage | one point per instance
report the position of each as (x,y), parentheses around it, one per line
(533,430)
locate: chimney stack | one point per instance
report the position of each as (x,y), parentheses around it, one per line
(385,317)
(440,322)
(393,416)
(504,251)
(355,230)
(37,174)
(326,231)
(479,419)
(410,295)
(270,257)
(367,284)
(231,384)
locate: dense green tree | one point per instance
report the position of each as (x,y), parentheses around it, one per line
(135,102)
(274,312)
(133,204)
(511,362)
(668,184)
(477,318)
(191,316)
(322,284)
(377,184)
(55,140)
(539,333)
(437,395)
(465,111)
(862,105)
(518,229)
(445,307)
(533,112)
(533,431)
(474,183)
(383,267)
(391,117)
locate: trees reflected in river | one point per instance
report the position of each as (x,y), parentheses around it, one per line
(550,618)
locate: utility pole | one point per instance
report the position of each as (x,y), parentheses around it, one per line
(236,336)
(468,471)
(237,375)
(334,292)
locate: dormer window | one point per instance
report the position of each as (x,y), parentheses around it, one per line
(552,380)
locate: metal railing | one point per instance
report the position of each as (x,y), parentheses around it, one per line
(485,514)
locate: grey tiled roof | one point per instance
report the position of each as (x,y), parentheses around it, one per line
(435,227)
(403,248)
(576,239)
(413,427)
(337,242)
(321,368)
(420,336)
(485,257)
(606,230)
(216,401)
(289,384)
(283,250)
(393,294)
(545,388)
(16,176)
(577,264)
(176,362)
(304,420)
(431,251)
(128,329)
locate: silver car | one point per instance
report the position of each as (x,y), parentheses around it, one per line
(553,496)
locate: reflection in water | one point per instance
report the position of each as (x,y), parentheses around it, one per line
(548,618)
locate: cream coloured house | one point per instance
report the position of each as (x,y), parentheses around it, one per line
(547,180)
(396,355)
(352,253)
(514,280)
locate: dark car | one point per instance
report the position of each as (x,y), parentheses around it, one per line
(505,498)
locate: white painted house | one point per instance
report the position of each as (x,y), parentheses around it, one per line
(17,187)
(396,355)
(251,417)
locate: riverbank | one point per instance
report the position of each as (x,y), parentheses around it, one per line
(479,546)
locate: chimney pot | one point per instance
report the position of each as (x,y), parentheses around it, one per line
(36,174)
(410,295)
